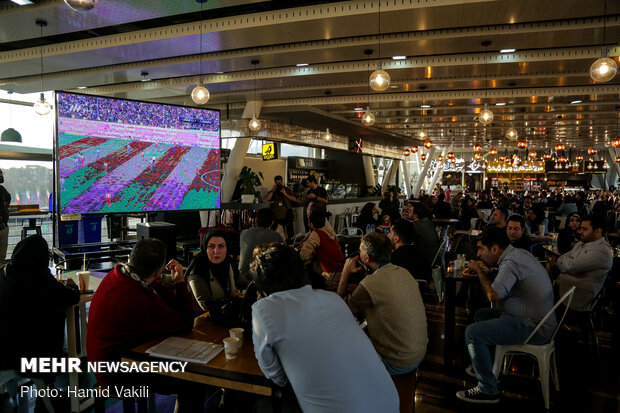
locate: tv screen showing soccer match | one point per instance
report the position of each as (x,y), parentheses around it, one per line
(116,155)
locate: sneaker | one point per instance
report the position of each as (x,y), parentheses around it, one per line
(470,371)
(476,396)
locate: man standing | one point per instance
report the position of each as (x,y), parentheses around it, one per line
(308,338)
(5,201)
(587,264)
(515,229)
(316,192)
(390,301)
(524,288)
(283,199)
(252,237)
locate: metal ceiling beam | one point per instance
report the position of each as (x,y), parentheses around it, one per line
(268,18)
(587,53)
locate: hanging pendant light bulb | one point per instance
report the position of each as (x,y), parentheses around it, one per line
(486,116)
(512,134)
(327,137)
(492,151)
(414,148)
(10,134)
(406,152)
(81,5)
(368,118)
(254,123)
(200,94)
(379,79)
(41,106)
(604,69)
(428,144)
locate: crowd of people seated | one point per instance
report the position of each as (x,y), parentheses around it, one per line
(294,318)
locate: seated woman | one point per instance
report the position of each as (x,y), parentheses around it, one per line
(569,235)
(535,218)
(467,212)
(32,305)
(369,215)
(211,274)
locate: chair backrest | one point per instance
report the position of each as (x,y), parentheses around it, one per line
(567,296)
(351,231)
(484,214)
(473,223)
(440,251)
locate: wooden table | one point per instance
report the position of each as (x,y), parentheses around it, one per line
(450,317)
(242,373)
(76,333)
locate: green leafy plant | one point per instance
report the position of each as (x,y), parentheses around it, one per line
(250,179)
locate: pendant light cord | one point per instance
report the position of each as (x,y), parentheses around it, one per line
(41,56)
(379,34)
(254,89)
(604,27)
(200,55)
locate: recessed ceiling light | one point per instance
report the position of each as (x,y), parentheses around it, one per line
(508,50)
(393,86)
(22,2)
(145,80)
(81,87)
(574,102)
(425,106)
(500,104)
(219,73)
(399,57)
(301,64)
(358,109)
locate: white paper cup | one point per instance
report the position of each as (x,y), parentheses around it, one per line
(231,347)
(541,230)
(83,280)
(237,332)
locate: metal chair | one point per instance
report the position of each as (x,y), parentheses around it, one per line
(351,231)
(543,353)
(439,269)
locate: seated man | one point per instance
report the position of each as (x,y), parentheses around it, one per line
(515,229)
(322,245)
(425,236)
(587,264)
(132,306)
(309,338)
(524,288)
(32,305)
(390,301)
(252,237)
(406,254)
(498,218)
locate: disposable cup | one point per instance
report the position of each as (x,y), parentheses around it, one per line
(237,332)
(231,347)
(83,280)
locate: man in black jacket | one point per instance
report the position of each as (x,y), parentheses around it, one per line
(406,254)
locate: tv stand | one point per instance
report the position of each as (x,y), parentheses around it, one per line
(97,254)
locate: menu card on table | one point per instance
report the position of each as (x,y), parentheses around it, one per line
(186,349)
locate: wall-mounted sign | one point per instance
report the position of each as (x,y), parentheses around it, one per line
(355,145)
(471,168)
(270,151)
(527,167)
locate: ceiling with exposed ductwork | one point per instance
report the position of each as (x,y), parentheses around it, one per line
(151,50)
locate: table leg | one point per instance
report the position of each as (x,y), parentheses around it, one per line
(449,322)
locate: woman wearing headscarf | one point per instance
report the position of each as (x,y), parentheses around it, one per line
(369,215)
(32,305)
(569,235)
(211,274)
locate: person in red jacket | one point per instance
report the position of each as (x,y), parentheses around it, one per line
(132,306)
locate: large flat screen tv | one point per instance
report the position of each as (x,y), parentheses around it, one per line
(123,156)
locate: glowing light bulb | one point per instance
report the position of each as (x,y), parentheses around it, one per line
(254,123)
(603,70)
(379,80)
(200,94)
(41,106)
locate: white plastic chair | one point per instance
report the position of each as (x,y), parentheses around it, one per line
(543,353)
(351,231)
(484,214)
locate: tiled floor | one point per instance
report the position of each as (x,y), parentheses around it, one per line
(589,382)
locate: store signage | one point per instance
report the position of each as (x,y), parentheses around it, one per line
(355,145)
(523,168)
(471,168)
(270,151)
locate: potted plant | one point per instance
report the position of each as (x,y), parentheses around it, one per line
(249,179)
